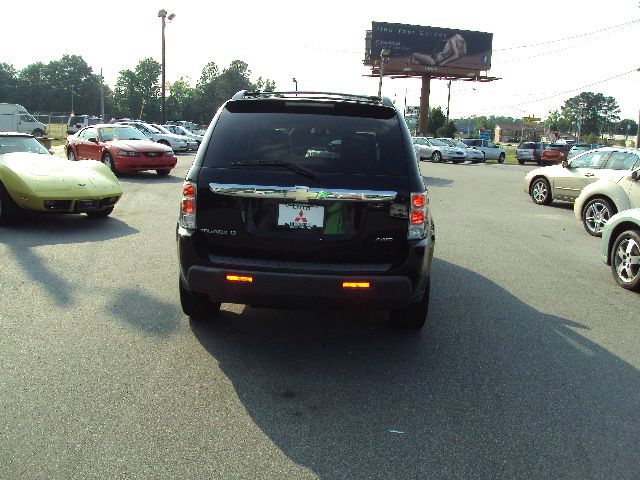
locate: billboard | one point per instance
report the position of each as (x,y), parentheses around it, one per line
(429,49)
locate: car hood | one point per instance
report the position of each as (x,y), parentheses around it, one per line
(47,172)
(551,171)
(138,145)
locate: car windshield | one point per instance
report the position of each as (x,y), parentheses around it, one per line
(109,134)
(420,141)
(21,144)
(438,143)
(323,138)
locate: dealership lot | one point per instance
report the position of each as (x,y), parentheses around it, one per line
(528,368)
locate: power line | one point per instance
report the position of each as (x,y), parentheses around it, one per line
(570,91)
(569,38)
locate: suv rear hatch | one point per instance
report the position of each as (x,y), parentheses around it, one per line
(315,182)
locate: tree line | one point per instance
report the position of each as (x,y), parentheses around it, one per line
(69,85)
(590,114)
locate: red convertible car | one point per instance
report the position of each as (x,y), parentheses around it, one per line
(121,148)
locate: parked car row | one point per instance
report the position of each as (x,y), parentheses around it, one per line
(604,186)
(457,151)
(544,153)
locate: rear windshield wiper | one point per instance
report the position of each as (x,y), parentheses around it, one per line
(305,172)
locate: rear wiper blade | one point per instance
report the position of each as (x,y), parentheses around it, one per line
(305,172)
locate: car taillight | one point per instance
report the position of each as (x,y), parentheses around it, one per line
(418,216)
(187,217)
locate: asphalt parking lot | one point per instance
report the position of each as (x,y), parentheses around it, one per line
(528,367)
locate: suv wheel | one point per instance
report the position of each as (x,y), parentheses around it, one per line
(8,207)
(196,305)
(521,161)
(414,316)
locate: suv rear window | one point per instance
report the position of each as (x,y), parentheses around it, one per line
(472,142)
(527,145)
(325,137)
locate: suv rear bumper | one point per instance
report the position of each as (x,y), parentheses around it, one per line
(300,291)
(288,287)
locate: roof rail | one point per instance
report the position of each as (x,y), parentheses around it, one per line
(242,94)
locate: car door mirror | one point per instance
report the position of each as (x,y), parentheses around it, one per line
(634,175)
(92,139)
(566,164)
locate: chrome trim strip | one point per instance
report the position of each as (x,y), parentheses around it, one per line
(302,193)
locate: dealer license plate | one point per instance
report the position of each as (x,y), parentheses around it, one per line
(298,215)
(84,205)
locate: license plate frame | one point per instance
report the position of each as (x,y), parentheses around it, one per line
(300,216)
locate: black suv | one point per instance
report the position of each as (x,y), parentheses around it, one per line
(306,200)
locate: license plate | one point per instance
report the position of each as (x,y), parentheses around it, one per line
(83,205)
(297,215)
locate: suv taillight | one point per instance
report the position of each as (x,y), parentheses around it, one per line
(187,217)
(418,216)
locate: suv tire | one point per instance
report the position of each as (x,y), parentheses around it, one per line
(414,316)
(196,305)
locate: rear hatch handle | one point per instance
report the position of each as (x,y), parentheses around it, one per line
(302,193)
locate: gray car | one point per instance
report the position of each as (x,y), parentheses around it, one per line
(530,152)
(491,150)
(437,151)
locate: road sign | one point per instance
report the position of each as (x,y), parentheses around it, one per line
(484,134)
(530,120)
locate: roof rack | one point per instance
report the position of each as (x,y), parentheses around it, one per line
(243,94)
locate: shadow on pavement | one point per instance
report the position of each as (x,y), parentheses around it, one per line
(37,229)
(149,177)
(145,312)
(491,389)
(437,182)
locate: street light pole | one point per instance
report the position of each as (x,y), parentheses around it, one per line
(163,14)
(296,82)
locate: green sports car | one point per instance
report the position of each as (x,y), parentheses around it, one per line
(33,179)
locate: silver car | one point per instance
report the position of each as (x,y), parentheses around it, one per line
(491,150)
(566,181)
(437,150)
(620,248)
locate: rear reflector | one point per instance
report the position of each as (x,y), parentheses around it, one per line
(239,278)
(356,284)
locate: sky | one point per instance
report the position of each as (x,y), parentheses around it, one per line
(322,45)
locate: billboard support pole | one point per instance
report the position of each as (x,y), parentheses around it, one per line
(424,104)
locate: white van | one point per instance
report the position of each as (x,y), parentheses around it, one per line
(78,122)
(15,118)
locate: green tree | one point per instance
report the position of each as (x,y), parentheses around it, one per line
(447,130)
(181,100)
(33,87)
(485,123)
(556,122)
(621,127)
(147,74)
(128,99)
(8,83)
(436,120)
(594,112)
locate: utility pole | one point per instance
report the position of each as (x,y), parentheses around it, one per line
(72,111)
(101,96)
(424,105)
(383,54)
(448,101)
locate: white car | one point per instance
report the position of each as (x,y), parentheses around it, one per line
(565,182)
(471,153)
(179,130)
(491,150)
(177,143)
(600,200)
(191,143)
